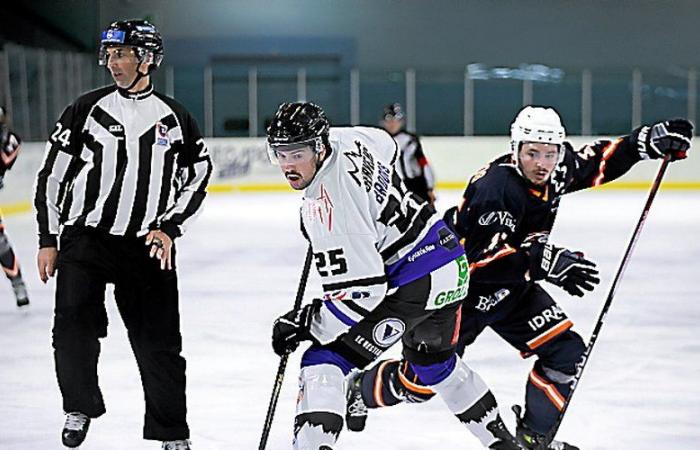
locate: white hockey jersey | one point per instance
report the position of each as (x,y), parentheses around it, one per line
(367,233)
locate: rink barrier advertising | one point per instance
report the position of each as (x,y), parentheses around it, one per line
(241,165)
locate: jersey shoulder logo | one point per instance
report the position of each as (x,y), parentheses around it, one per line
(162,134)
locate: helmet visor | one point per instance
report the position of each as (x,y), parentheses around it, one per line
(299,153)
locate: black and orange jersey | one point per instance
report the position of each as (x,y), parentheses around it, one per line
(502,214)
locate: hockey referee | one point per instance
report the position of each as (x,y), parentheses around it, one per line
(125,172)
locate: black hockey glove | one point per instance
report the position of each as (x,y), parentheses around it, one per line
(566,269)
(293,327)
(669,137)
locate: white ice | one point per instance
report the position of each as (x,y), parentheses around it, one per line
(239,266)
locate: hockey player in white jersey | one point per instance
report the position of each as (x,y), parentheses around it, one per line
(391,270)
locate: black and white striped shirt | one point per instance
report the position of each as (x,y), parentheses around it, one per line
(122,163)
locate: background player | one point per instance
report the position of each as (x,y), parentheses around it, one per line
(10,145)
(411,164)
(391,270)
(504,220)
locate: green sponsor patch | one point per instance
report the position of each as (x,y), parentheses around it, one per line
(457,294)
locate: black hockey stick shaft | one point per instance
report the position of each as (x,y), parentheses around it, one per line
(279,378)
(608,301)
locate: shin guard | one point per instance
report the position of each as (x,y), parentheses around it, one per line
(320,407)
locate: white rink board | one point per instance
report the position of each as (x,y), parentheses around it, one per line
(243,162)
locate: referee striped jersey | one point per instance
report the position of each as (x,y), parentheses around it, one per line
(122,163)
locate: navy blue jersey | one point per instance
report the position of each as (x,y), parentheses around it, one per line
(502,213)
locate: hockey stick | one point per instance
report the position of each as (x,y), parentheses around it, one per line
(603,313)
(279,378)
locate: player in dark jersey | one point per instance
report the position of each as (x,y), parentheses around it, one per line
(411,164)
(10,145)
(504,222)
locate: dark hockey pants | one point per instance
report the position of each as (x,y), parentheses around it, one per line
(147,298)
(548,383)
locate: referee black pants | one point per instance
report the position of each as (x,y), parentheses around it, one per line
(147,298)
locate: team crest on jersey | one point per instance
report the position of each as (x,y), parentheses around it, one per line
(321,209)
(388,331)
(162,134)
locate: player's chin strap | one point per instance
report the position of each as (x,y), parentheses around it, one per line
(139,76)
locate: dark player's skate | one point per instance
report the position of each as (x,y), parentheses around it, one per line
(182,444)
(532,440)
(506,441)
(75,429)
(20,293)
(356,410)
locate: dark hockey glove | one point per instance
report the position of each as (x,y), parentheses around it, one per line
(293,327)
(672,137)
(566,269)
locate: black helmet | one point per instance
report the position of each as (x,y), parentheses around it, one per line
(137,33)
(393,111)
(296,123)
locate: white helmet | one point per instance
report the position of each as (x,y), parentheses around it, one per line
(536,124)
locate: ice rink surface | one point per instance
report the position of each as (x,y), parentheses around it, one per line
(239,266)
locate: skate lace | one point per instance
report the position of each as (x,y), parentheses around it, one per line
(75,421)
(177,445)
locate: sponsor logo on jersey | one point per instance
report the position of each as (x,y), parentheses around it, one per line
(364,343)
(447,239)
(381,186)
(503,217)
(421,251)
(345,295)
(552,314)
(454,295)
(162,134)
(486,303)
(388,331)
(116,128)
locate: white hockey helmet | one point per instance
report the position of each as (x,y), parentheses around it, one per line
(537,124)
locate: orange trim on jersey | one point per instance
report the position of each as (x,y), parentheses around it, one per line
(608,151)
(11,273)
(543,195)
(422,161)
(378,384)
(413,386)
(550,334)
(505,251)
(549,390)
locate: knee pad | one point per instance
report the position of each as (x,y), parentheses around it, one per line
(320,408)
(558,358)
